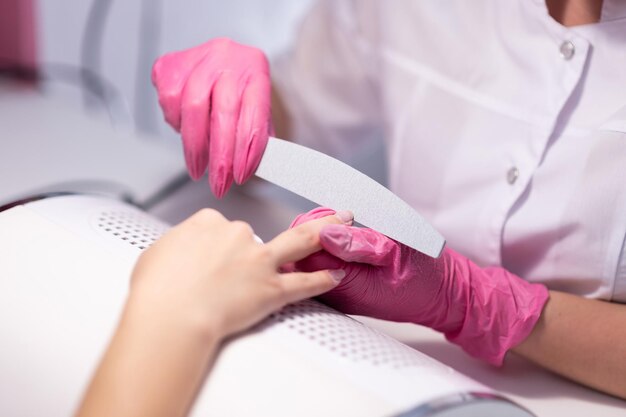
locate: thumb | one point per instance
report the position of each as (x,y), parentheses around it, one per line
(357,244)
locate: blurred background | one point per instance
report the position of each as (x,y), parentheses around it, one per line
(78,112)
(117,42)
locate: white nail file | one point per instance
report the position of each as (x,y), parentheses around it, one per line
(334,184)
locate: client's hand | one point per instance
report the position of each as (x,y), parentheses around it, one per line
(206,279)
(212,272)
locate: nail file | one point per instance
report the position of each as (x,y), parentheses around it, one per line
(331,183)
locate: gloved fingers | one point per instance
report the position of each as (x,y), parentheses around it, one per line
(195,122)
(296,286)
(316,213)
(170,73)
(318,261)
(358,244)
(253,126)
(288,267)
(299,242)
(225,105)
(315,262)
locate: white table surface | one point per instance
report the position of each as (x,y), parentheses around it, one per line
(270,210)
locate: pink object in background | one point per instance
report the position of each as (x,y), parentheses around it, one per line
(486,311)
(17,33)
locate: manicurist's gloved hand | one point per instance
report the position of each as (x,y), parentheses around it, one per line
(486,311)
(218,96)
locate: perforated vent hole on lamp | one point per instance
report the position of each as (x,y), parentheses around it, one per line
(344,336)
(134,228)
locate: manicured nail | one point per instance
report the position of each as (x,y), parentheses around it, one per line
(337,275)
(345,216)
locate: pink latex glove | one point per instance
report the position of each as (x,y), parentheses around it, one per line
(218,96)
(486,311)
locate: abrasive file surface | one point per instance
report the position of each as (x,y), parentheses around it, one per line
(334,184)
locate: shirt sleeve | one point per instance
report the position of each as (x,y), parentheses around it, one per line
(328,79)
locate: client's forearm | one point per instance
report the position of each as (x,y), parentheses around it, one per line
(153,366)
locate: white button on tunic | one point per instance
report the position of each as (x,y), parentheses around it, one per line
(567,50)
(506,130)
(512,175)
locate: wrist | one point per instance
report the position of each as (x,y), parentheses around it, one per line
(168,316)
(500,309)
(158,356)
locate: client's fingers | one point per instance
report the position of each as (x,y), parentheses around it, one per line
(300,285)
(301,241)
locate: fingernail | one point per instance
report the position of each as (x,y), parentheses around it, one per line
(337,275)
(345,216)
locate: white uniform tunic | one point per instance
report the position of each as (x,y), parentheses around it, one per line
(506,130)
